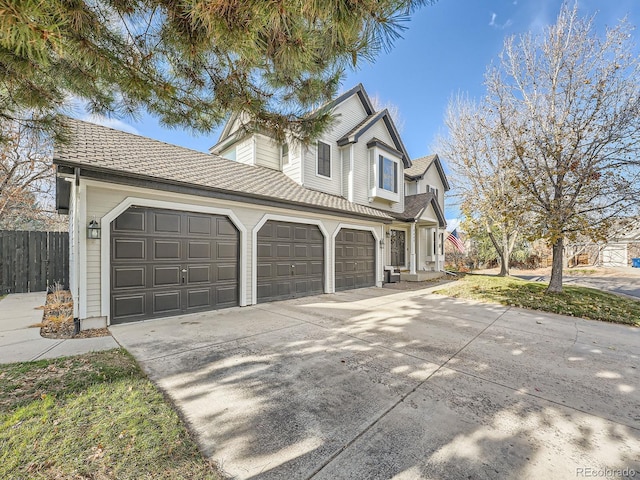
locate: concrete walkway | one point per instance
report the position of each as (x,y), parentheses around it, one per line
(21,342)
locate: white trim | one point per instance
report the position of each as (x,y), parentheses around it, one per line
(82,247)
(330,177)
(350,193)
(292,219)
(374,232)
(105,250)
(412,259)
(75,251)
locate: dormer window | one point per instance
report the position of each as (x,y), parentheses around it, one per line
(388,174)
(324,159)
(284,153)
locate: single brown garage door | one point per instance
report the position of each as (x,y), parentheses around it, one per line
(166,262)
(355,259)
(290,261)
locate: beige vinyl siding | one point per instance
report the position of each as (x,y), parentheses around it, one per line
(244,151)
(345,159)
(267,152)
(102,198)
(314,181)
(363,171)
(432,178)
(293,168)
(346,116)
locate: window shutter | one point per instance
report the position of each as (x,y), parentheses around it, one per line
(395,177)
(381,172)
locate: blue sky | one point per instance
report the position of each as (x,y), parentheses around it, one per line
(445,50)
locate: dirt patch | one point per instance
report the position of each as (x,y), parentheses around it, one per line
(58,321)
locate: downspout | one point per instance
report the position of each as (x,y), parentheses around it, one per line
(302,164)
(412,266)
(76,246)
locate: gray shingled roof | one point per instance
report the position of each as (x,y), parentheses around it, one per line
(102,149)
(415,205)
(419,166)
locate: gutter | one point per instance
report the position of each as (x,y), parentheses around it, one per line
(110,176)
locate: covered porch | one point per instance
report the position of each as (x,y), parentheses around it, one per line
(415,241)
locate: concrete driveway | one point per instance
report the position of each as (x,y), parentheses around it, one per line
(625,281)
(380,384)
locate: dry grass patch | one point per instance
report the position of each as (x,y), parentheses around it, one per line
(575,301)
(91,416)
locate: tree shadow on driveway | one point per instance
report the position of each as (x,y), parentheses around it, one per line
(406,385)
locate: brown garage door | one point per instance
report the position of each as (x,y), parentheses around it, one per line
(166,262)
(355,259)
(290,261)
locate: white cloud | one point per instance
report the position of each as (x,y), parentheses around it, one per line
(111,123)
(452,224)
(500,26)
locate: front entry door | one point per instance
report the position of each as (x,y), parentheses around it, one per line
(398,247)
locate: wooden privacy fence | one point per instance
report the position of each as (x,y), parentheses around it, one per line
(31,261)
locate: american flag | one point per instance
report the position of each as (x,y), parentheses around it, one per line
(455,239)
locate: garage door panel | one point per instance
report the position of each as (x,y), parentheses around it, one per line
(226,296)
(355,265)
(129,249)
(226,250)
(300,269)
(283,269)
(301,233)
(177,264)
(284,250)
(199,225)
(296,256)
(129,305)
(226,273)
(265,270)
(128,277)
(166,250)
(265,250)
(317,251)
(284,232)
(166,275)
(198,274)
(225,228)
(164,302)
(198,250)
(130,221)
(166,222)
(198,298)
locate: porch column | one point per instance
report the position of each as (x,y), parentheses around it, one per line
(412,262)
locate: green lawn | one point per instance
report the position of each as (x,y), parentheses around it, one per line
(574,301)
(91,416)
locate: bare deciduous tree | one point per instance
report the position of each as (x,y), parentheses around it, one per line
(481,160)
(26,178)
(568,103)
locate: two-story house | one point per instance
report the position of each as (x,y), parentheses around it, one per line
(158,230)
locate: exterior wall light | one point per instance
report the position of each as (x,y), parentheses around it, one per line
(93,230)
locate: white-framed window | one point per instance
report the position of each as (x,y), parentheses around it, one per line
(284,153)
(230,154)
(324,159)
(388,178)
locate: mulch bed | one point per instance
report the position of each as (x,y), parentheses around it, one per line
(57,321)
